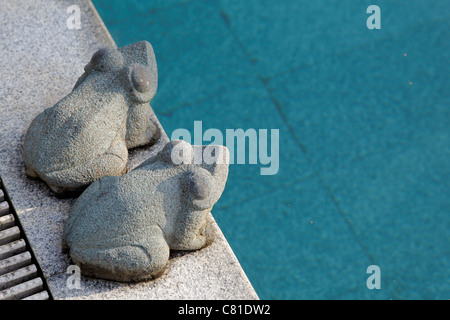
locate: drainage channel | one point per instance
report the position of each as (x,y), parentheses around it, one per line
(20,275)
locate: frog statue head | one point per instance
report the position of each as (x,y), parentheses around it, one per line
(87,134)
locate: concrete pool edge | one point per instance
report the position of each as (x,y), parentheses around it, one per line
(42,62)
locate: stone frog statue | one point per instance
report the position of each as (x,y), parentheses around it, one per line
(87,134)
(122,228)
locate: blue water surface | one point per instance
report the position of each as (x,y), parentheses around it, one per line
(364,124)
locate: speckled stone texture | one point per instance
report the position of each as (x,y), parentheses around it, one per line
(40,60)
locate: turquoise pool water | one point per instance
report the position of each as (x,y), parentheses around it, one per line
(364,125)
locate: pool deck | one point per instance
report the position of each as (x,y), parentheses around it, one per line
(40,61)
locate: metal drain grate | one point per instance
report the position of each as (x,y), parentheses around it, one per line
(20,277)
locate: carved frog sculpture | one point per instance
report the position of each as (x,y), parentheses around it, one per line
(122,228)
(87,134)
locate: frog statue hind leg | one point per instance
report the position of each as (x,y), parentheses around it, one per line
(144,259)
(112,163)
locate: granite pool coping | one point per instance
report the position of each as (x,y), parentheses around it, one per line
(40,61)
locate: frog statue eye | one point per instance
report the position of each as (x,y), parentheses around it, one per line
(197,187)
(141,79)
(106,59)
(199,183)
